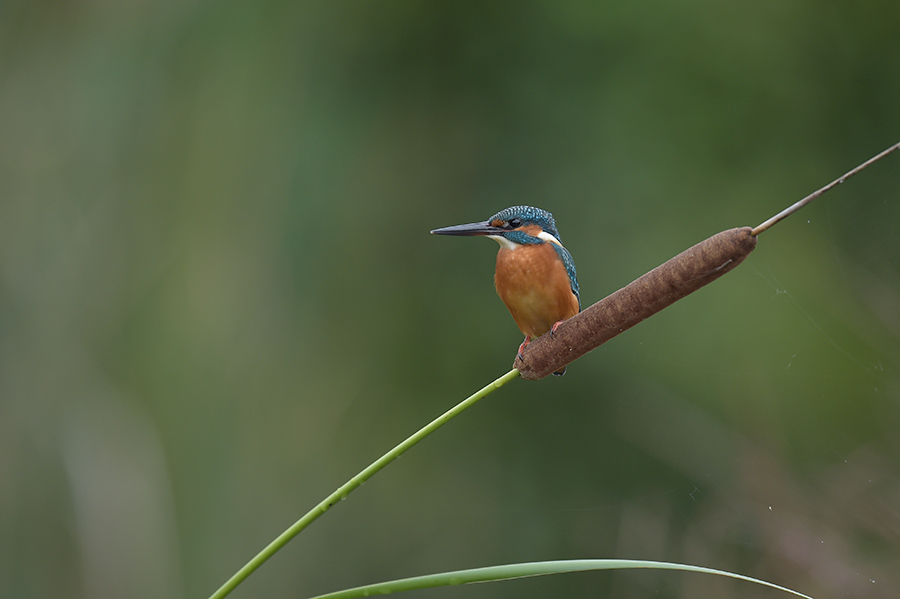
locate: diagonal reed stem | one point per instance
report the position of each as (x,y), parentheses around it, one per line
(341,492)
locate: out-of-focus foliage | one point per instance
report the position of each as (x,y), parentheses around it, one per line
(219,298)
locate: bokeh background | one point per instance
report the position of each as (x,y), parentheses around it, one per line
(219,299)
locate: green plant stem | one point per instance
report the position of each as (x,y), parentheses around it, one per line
(341,492)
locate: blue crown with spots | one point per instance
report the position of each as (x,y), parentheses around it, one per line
(526,215)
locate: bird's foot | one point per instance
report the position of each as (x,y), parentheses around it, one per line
(554,327)
(521,352)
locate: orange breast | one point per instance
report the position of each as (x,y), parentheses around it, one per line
(533,283)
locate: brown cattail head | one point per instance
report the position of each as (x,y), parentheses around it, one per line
(685,273)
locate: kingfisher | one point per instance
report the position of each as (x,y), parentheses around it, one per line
(535,274)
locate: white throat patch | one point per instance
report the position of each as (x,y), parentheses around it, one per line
(504,242)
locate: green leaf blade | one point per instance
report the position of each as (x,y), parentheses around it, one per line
(529,569)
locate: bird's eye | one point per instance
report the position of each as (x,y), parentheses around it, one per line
(515,223)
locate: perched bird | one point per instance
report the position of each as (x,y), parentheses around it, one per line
(535,274)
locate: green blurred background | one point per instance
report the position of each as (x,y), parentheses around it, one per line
(219,299)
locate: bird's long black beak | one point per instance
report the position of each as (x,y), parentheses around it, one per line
(484,228)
